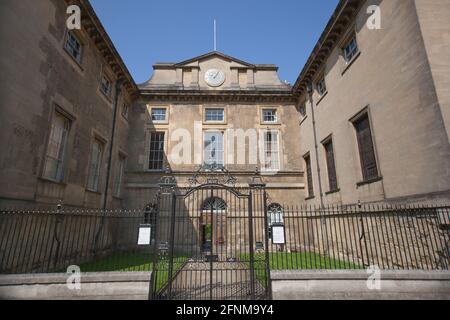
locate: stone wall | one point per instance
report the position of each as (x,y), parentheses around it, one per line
(287,285)
(94,286)
(352,285)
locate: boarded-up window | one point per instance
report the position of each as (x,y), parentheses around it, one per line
(187,77)
(366,149)
(309,176)
(242,74)
(331,166)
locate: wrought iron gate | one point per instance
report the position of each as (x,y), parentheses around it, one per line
(211,241)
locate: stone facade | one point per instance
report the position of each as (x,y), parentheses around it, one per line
(398,77)
(247,91)
(39,77)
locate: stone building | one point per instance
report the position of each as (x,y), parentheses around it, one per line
(367,120)
(60,98)
(227,112)
(376,125)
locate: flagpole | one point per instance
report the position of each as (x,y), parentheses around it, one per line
(215,35)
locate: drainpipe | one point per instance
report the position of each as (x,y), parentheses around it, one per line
(111,144)
(316,146)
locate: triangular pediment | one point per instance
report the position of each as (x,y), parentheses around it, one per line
(212,55)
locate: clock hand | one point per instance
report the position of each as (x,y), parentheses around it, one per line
(216,74)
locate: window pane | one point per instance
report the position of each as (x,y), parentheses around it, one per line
(214,115)
(119,175)
(309,176)
(125,111)
(73,47)
(105,86)
(271,151)
(54,160)
(95,165)
(351,50)
(159,114)
(270,115)
(366,150)
(331,167)
(214,148)
(302,110)
(156,156)
(275,215)
(321,87)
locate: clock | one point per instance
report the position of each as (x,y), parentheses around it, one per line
(214,77)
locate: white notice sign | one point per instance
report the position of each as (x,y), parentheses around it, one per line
(144,235)
(278,235)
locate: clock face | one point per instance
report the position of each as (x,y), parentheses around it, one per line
(214,77)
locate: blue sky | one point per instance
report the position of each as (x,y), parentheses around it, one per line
(282,32)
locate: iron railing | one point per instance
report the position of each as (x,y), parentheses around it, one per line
(344,237)
(356,237)
(46,241)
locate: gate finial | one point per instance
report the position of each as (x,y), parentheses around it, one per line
(257,181)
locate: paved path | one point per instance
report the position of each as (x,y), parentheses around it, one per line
(230,281)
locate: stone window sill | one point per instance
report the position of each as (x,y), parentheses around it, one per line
(107,98)
(321,98)
(94,192)
(349,64)
(362,183)
(61,183)
(78,63)
(303,120)
(155,171)
(333,191)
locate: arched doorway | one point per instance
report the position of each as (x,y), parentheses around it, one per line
(213,223)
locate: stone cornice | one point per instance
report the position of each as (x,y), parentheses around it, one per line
(234,172)
(94,28)
(269,96)
(336,27)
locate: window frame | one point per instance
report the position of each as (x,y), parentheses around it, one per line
(276,117)
(366,167)
(275,217)
(165,120)
(302,107)
(328,147)
(309,176)
(125,115)
(69,50)
(348,42)
(61,168)
(322,92)
(264,167)
(160,152)
(109,93)
(102,144)
(222,134)
(119,176)
(213,121)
